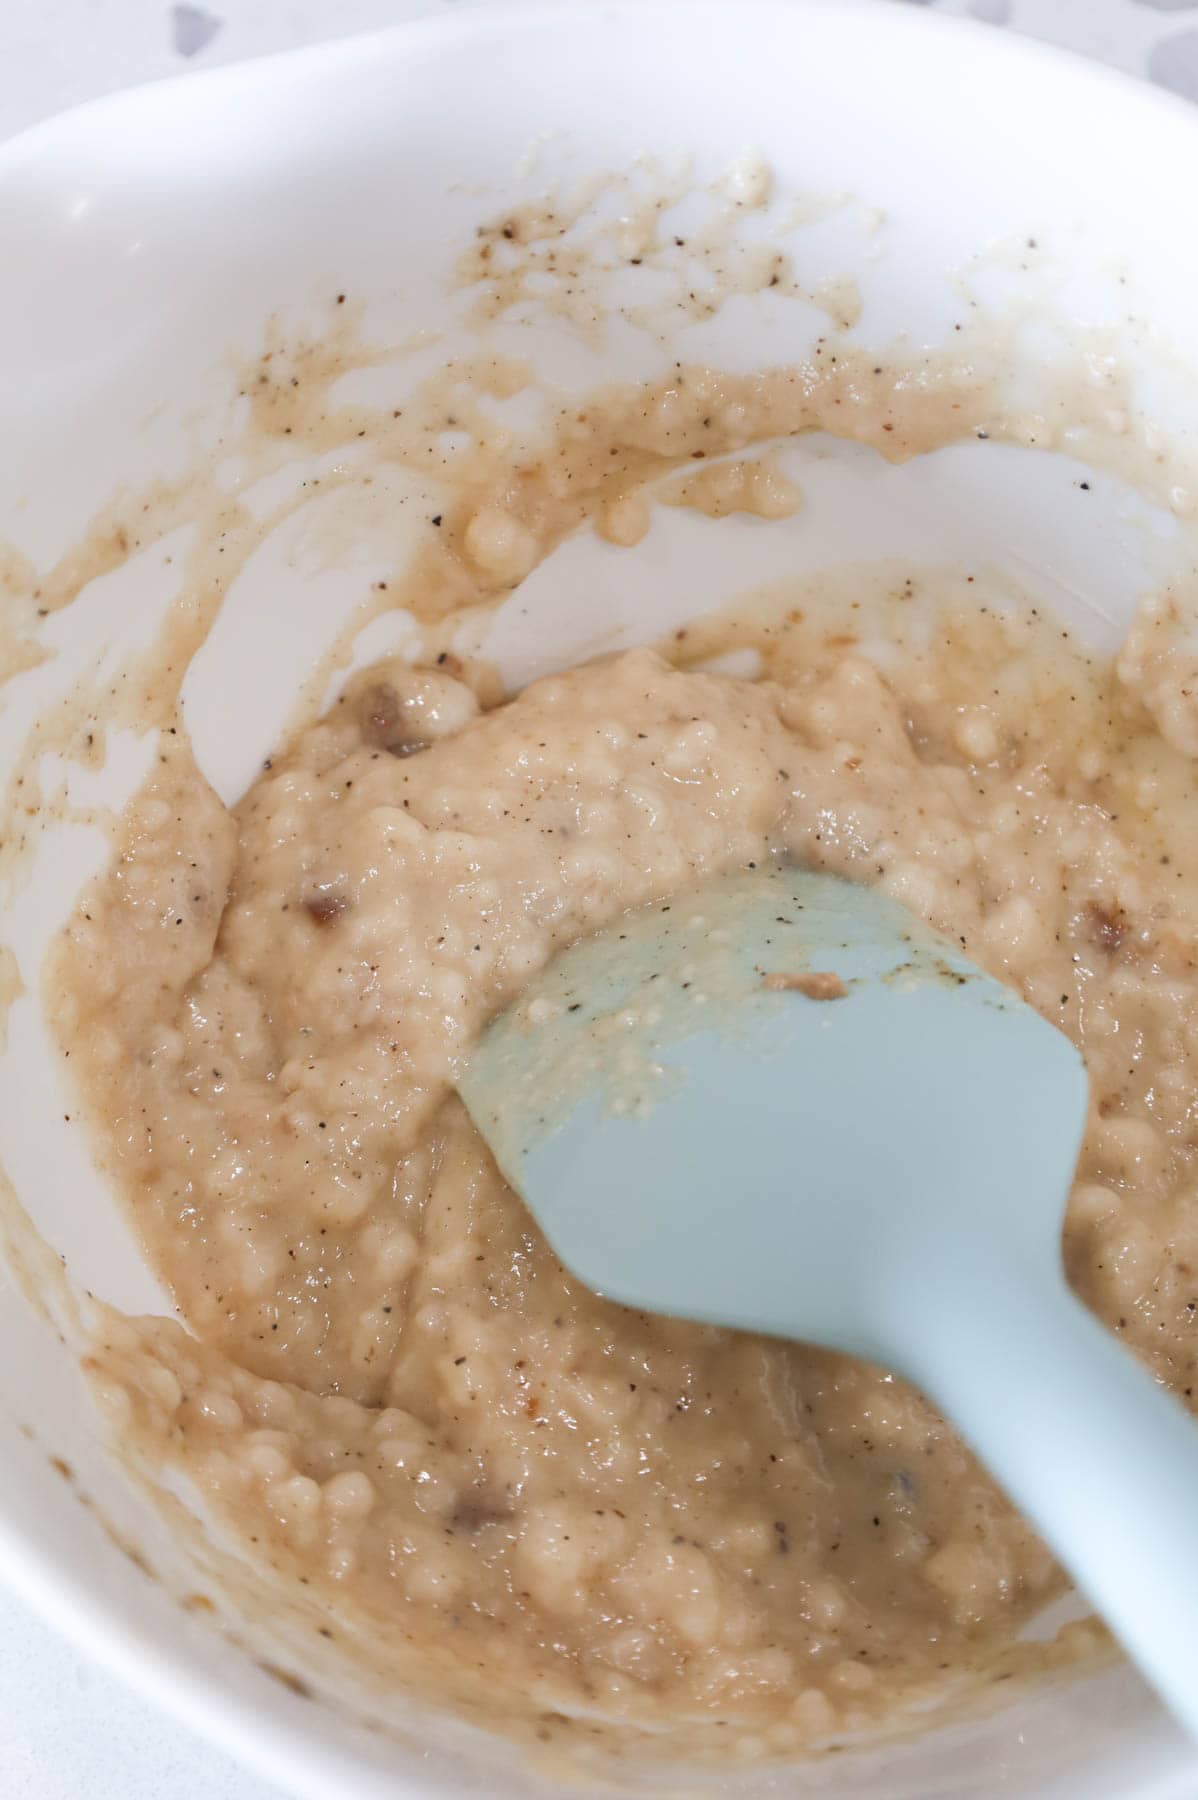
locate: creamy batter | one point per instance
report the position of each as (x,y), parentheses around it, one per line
(388,1388)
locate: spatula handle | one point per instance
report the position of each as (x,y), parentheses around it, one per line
(1100,1458)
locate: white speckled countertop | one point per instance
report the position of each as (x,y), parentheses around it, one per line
(68,1728)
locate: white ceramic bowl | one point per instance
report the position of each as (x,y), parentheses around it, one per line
(144,235)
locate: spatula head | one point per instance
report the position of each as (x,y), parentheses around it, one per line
(701,1128)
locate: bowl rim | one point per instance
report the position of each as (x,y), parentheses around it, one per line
(333,56)
(294,1755)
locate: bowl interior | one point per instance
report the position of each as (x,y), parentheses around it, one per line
(947,172)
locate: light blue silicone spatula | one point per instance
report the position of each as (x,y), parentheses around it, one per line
(779,1103)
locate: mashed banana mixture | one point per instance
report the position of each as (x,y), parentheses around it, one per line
(388,1388)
